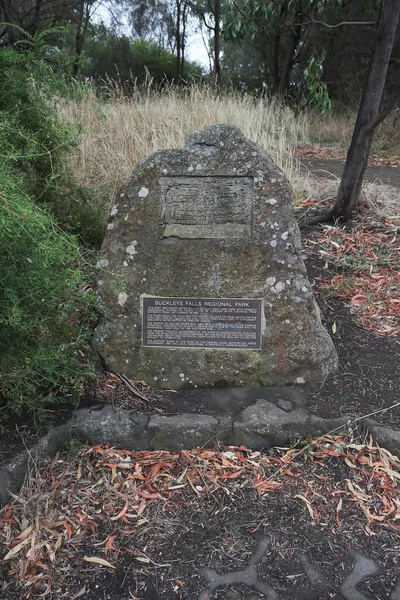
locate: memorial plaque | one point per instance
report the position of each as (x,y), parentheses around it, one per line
(207,207)
(219,323)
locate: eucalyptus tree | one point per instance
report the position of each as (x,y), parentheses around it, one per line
(18,18)
(279,30)
(84,12)
(370,113)
(210,13)
(24,18)
(285,26)
(33,16)
(293,36)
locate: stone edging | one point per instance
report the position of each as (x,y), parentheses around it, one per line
(259,419)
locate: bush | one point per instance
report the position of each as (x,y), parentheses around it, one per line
(45,309)
(30,95)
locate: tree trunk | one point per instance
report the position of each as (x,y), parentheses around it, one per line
(217,42)
(78,41)
(289,59)
(368,113)
(11,15)
(178,39)
(183,37)
(275,61)
(34,28)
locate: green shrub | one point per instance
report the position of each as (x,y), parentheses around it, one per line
(30,95)
(46,306)
(44,313)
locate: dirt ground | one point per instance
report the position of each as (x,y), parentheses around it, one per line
(329,529)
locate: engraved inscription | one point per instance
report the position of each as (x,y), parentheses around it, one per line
(219,323)
(207,207)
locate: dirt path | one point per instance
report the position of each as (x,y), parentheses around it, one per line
(332,169)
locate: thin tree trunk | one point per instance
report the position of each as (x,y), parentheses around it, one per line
(275,61)
(78,41)
(183,37)
(11,15)
(217,42)
(276,70)
(178,39)
(294,40)
(36,20)
(368,113)
(288,62)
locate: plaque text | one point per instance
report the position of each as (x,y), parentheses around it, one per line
(219,323)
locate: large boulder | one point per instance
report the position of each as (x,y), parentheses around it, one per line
(202,280)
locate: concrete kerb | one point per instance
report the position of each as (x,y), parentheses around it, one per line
(259,419)
(14,472)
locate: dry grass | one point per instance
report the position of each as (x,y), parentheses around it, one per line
(382,200)
(333,128)
(117,134)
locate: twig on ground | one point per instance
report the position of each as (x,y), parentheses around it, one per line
(133,389)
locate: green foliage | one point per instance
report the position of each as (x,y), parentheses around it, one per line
(283,35)
(317,93)
(73,448)
(45,312)
(30,95)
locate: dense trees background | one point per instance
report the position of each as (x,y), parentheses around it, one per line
(304,51)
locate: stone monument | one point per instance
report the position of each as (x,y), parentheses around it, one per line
(202,281)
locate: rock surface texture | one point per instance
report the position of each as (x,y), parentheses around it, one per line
(213,220)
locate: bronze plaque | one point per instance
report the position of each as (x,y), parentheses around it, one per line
(207,207)
(212,323)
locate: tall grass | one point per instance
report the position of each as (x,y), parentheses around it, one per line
(336,128)
(119,131)
(116,134)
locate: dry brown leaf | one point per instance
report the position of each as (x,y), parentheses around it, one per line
(79,594)
(349,463)
(14,551)
(99,561)
(142,559)
(308,505)
(358,495)
(58,543)
(25,533)
(121,514)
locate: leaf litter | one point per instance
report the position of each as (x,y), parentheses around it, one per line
(366,256)
(89,508)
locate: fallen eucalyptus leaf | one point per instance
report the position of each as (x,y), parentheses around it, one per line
(99,561)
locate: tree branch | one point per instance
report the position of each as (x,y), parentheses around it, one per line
(385,112)
(239,9)
(200,14)
(327,25)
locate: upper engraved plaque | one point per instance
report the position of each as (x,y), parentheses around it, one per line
(207,207)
